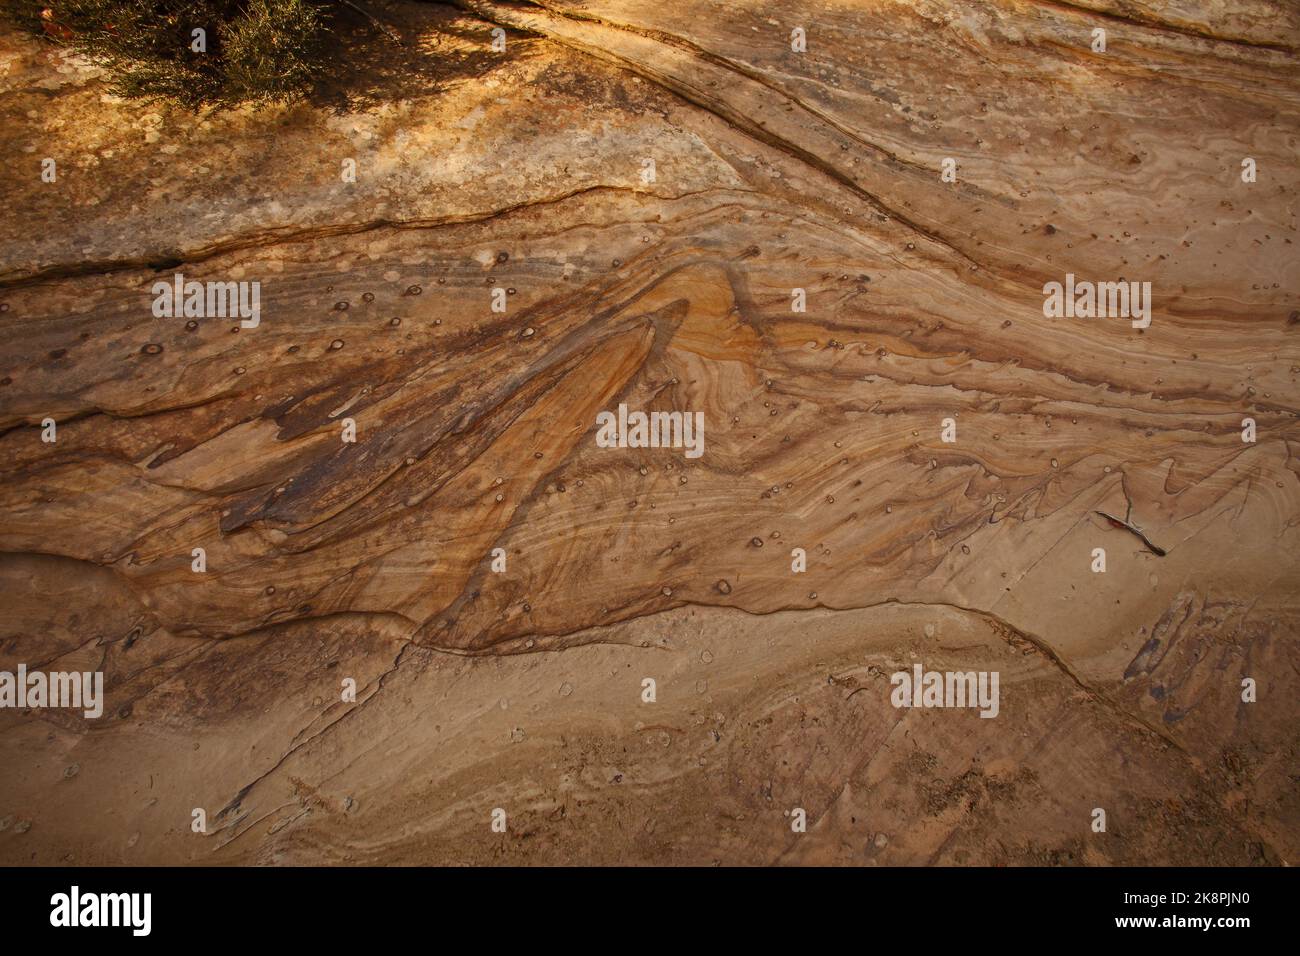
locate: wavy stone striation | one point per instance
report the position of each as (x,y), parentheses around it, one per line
(774,171)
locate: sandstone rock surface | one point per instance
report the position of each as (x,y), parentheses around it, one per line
(774,171)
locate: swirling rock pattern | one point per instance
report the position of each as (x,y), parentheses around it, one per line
(774,171)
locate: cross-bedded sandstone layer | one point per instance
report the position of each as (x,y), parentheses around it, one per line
(773,171)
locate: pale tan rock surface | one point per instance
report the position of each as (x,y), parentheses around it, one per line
(522,690)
